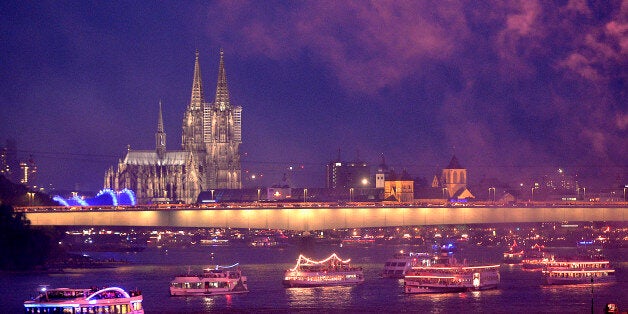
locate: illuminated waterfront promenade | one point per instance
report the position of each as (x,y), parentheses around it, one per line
(318,218)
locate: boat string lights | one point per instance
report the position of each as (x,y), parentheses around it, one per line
(223,267)
(308,261)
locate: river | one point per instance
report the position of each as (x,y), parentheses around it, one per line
(152,269)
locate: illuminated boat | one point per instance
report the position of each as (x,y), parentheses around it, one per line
(514,255)
(66,300)
(536,259)
(357,240)
(213,281)
(446,275)
(581,271)
(402,262)
(332,271)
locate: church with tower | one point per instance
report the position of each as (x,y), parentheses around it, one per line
(209,157)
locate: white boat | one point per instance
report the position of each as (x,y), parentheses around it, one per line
(446,275)
(579,271)
(213,281)
(332,271)
(88,300)
(402,262)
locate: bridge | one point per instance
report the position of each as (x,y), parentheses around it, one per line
(299,217)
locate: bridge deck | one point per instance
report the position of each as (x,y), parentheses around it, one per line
(322,218)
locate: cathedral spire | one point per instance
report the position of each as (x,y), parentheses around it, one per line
(198,98)
(160,136)
(160,120)
(222,92)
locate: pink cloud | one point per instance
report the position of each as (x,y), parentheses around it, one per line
(581,65)
(598,49)
(368,45)
(524,20)
(597,139)
(578,6)
(520,36)
(619,31)
(621,121)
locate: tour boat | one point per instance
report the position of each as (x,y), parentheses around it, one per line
(514,255)
(88,300)
(332,271)
(445,274)
(357,240)
(536,259)
(213,281)
(580,271)
(402,262)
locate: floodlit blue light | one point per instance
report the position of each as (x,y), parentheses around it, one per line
(129,194)
(114,198)
(60,200)
(79,201)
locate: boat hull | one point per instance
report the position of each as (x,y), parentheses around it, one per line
(65,300)
(445,289)
(202,292)
(209,284)
(305,284)
(578,281)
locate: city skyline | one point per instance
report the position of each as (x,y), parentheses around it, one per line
(514,90)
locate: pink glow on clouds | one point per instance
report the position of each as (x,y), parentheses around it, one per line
(368,45)
(580,64)
(597,140)
(621,121)
(522,23)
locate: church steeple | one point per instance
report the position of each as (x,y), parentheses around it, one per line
(222,92)
(197,99)
(160,136)
(160,120)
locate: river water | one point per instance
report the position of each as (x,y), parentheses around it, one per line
(152,269)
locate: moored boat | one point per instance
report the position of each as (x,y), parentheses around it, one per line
(213,281)
(332,271)
(514,255)
(357,240)
(445,274)
(402,262)
(578,271)
(86,300)
(536,259)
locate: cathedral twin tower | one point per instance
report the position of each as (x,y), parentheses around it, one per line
(209,159)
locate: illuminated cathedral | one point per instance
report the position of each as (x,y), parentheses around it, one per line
(209,158)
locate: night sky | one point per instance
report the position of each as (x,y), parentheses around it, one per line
(515,89)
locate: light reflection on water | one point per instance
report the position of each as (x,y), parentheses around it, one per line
(314,297)
(208,303)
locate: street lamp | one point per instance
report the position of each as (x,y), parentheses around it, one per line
(533,193)
(212,194)
(31,197)
(584,193)
(351,195)
(304,195)
(258,194)
(489,194)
